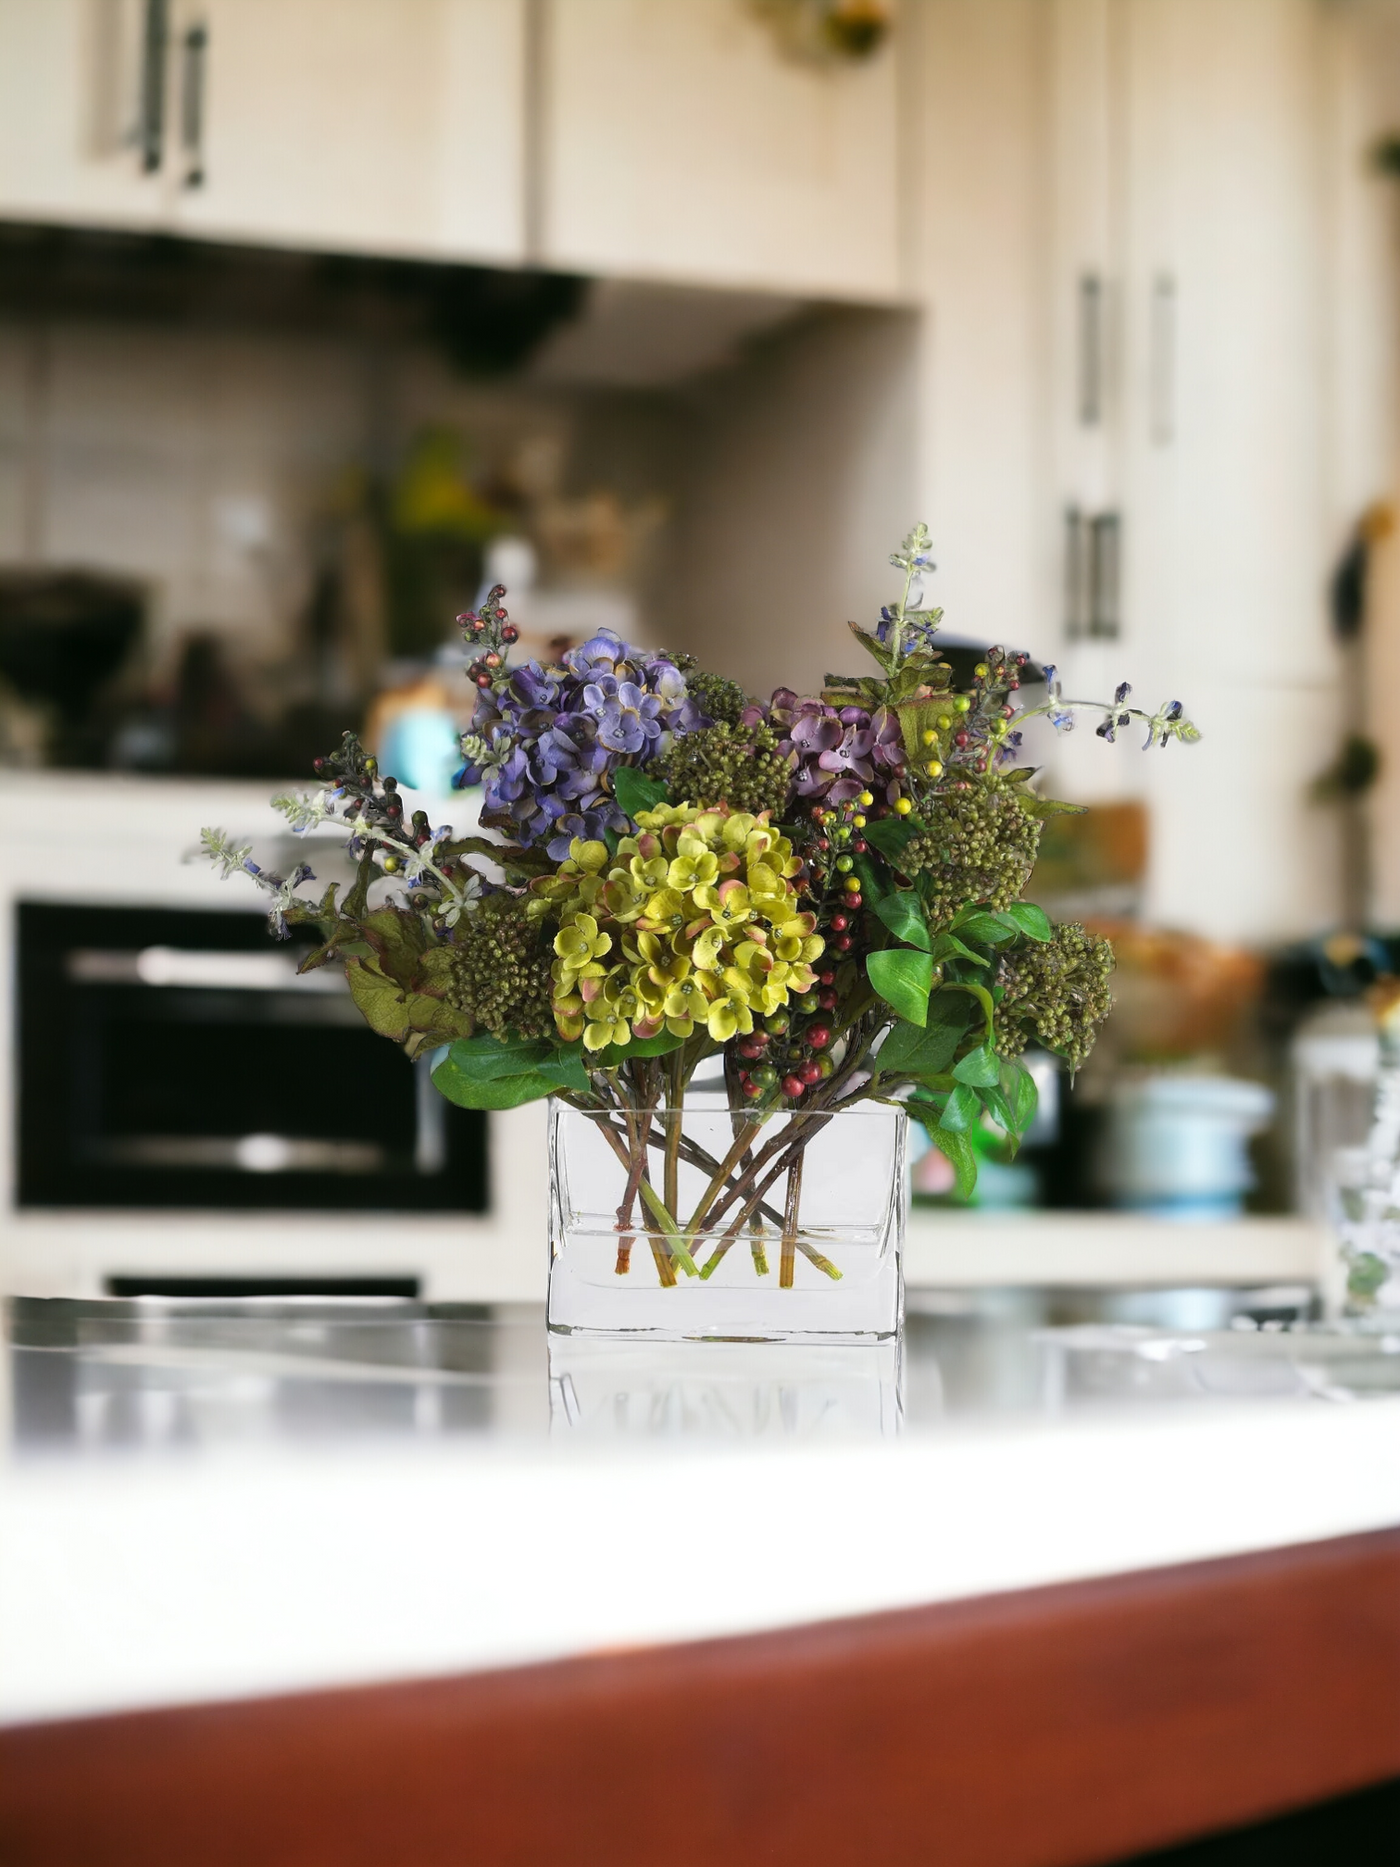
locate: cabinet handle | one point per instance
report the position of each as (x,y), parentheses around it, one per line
(1163,380)
(1105,575)
(153,38)
(1090,350)
(195,66)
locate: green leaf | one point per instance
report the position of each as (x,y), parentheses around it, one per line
(961,1109)
(873,646)
(903,979)
(566,1069)
(413,1019)
(980,993)
(891,836)
(874,880)
(474,1092)
(920,1052)
(1050,806)
(948,946)
(487,1059)
(1018,1086)
(981,1068)
(399,940)
(997,1106)
(634,791)
(986,929)
(903,913)
(1026,918)
(959,1151)
(916,717)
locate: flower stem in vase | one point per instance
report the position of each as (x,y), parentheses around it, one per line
(787,1257)
(664,1259)
(721,1176)
(758,1244)
(675,1102)
(675,1243)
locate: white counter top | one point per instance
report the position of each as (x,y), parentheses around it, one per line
(261,1565)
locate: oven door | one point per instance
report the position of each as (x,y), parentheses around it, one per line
(174,1058)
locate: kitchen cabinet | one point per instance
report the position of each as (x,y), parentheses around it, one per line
(380,126)
(369,125)
(79,87)
(679,142)
(617,137)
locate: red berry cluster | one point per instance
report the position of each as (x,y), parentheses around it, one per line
(490,631)
(778,1057)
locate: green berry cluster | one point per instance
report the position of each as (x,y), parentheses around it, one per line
(979,844)
(501,971)
(1056,991)
(718,699)
(728,764)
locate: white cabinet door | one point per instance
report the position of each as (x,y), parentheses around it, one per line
(81,92)
(679,142)
(386,126)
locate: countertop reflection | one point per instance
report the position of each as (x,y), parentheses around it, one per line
(124,1374)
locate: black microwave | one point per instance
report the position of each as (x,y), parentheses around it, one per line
(175,1058)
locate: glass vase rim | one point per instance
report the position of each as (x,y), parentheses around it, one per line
(862,1105)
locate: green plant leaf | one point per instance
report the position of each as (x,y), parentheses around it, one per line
(981,1068)
(981,994)
(635,791)
(986,929)
(948,946)
(903,979)
(997,1106)
(399,940)
(502,1092)
(566,1069)
(1018,1086)
(1026,918)
(1050,806)
(413,1019)
(912,1051)
(961,1109)
(874,884)
(873,646)
(903,913)
(891,836)
(487,1059)
(959,1152)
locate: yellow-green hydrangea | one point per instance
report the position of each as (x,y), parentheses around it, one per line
(693,923)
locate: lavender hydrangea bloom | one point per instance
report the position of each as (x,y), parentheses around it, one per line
(544,741)
(840,751)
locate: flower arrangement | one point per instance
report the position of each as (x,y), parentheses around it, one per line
(819,896)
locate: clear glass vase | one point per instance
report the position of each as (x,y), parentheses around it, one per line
(704,1222)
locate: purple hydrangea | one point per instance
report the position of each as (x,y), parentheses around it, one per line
(544,740)
(840,751)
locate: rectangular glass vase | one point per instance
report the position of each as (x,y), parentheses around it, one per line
(711,1223)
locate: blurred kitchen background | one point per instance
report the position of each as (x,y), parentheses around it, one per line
(674,315)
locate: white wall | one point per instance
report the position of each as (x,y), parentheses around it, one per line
(799,480)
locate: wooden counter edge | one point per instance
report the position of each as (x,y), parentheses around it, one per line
(1053,1727)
